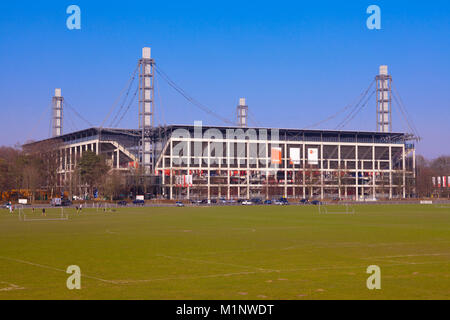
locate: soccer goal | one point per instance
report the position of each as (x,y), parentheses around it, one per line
(442,206)
(105,207)
(108,207)
(337,209)
(51,214)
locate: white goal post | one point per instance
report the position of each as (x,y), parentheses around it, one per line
(58,217)
(105,207)
(441,205)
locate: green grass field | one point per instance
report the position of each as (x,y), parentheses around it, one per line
(270,252)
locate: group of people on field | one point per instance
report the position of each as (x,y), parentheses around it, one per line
(12,208)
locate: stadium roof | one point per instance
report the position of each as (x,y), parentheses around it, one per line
(284,134)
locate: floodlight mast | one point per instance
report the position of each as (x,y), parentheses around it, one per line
(384,100)
(57,113)
(146,110)
(242,113)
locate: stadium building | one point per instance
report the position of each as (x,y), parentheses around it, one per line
(239,162)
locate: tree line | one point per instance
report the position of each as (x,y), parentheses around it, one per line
(426,170)
(35,174)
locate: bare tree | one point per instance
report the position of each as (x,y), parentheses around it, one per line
(92,169)
(113,184)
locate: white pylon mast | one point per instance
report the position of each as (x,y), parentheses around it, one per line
(384,100)
(57,113)
(146,109)
(242,113)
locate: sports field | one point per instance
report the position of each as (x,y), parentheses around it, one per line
(240,252)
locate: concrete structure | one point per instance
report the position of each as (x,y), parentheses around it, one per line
(119,146)
(182,161)
(57,113)
(242,113)
(146,109)
(196,162)
(208,162)
(384,100)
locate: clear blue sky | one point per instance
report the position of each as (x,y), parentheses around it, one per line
(296,62)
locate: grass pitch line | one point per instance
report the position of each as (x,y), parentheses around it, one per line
(52,268)
(259,270)
(414,255)
(218,263)
(10,287)
(182,277)
(223,275)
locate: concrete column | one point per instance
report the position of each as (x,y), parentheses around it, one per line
(171,171)
(404,171)
(339,172)
(266,164)
(66,168)
(188,191)
(208,159)
(118,158)
(414,171)
(390,172)
(163,178)
(228,170)
(356,173)
(76,155)
(248,168)
(374,193)
(285,168)
(304,169)
(70,170)
(362,173)
(321,171)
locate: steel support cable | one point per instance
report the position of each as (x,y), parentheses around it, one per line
(127,85)
(71,121)
(189,98)
(407,116)
(124,100)
(128,107)
(401,100)
(349,119)
(163,120)
(401,105)
(358,100)
(356,108)
(253,118)
(33,129)
(401,115)
(66,103)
